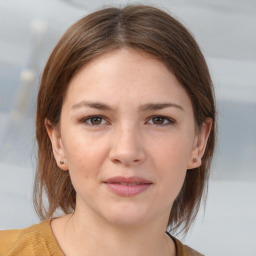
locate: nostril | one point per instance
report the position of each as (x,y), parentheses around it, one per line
(127,152)
(126,161)
(116,161)
(125,158)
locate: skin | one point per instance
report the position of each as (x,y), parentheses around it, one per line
(137,134)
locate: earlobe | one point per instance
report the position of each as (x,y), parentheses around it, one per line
(200,145)
(57,146)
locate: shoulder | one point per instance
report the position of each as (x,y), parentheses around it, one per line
(34,240)
(16,241)
(184,250)
(8,239)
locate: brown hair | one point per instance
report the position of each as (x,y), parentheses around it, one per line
(140,27)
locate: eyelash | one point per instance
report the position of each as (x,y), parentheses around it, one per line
(89,118)
(164,118)
(167,120)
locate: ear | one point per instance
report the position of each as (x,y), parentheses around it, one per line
(199,144)
(57,146)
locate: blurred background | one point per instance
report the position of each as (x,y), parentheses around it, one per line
(225,30)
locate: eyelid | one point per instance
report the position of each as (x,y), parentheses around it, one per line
(169,119)
(87,118)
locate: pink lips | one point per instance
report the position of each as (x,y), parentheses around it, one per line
(127,187)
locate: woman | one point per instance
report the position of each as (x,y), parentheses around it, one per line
(126,130)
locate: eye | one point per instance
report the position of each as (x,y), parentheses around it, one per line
(94,120)
(160,120)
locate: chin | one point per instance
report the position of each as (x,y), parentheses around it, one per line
(127,221)
(127,216)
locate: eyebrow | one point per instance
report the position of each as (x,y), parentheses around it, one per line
(145,107)
(96,105)
(158,106)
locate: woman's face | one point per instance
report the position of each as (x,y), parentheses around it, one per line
(128,135)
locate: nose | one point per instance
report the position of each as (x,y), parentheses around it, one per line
(127,147)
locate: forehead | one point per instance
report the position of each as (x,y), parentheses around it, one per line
(125,75)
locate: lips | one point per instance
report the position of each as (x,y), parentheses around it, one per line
(127,187)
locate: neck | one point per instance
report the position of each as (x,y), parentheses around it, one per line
(91,236)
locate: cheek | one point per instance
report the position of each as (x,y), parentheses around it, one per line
(173,151)
(84,166)
(171,157)
(84,155)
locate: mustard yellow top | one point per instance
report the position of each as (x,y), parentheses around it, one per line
(39,240)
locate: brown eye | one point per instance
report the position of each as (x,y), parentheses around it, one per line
(161,120)
(158,120)
(96,120)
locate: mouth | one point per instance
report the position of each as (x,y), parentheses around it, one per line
(127,187)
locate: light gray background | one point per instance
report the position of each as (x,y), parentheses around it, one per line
(226,32)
